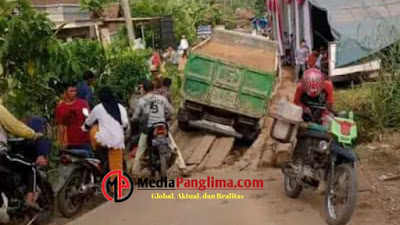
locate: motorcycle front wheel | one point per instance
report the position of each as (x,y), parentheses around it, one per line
(69,199)
(46,202)
(341,195)
(292,188)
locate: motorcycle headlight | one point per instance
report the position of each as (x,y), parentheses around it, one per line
(323,145)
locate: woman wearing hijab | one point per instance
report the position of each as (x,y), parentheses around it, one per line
(112,119)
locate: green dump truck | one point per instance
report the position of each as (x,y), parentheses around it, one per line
(227,83)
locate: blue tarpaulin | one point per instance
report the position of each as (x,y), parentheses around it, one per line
(361,27)
(261,22)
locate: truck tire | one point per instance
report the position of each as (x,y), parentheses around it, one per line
(249,133)
(251,136)
(184,126)
(183,120)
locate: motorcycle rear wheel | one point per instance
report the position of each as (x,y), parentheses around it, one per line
(344,173)
(163,161)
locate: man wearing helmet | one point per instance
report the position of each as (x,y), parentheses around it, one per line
(315,95)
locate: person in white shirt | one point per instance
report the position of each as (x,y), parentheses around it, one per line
(184,46)
(112,119)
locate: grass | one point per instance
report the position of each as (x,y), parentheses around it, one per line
(376,107)
(358,100)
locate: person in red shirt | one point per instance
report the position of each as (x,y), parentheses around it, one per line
(69,120)
(156,59)
(315,95)
(312,58)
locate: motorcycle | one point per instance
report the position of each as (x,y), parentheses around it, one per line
(159,156)
(325,154)
(81,174)
(79,180)
(13,190)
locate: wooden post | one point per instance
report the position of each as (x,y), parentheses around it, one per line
(128,21)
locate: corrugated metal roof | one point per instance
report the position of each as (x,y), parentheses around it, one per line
(362,27)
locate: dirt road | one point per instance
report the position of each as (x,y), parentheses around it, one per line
(266,207)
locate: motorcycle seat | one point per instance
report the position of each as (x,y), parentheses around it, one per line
(15,140)
(315,134)
(80,153)
(5,170)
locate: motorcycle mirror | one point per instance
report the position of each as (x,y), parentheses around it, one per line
(351,115)
(85,112)
(343,114)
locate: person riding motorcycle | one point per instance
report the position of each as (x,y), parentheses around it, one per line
(315,95)
(9,124)
(150,109)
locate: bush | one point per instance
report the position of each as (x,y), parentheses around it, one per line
(381,101)
(34,62)
(171,71)
(377,105)
(186,15)
(126,68)
(76,57)
(358,100)
(26,47)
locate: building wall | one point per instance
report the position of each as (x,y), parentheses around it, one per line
(53,2)
(83,32)
(62,13)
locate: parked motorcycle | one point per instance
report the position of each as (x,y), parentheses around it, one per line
(79,180)
(81,174)
(325,154)
(13,190)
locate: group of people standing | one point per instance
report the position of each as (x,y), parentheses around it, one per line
(107,124)
(108,118)
(302,58)
(170,55)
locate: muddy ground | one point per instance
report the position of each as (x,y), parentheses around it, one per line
(377,206)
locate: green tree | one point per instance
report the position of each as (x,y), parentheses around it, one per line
(95,6)
(27,41)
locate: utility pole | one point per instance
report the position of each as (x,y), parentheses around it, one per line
(128,21)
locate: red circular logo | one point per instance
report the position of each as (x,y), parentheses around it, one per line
(121,181)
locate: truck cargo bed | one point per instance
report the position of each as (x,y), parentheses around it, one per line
(254,58)
(230,76)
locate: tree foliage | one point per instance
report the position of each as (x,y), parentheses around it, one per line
(95,6)
(34,62)
(187,15)
(126,68)
(26,47)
